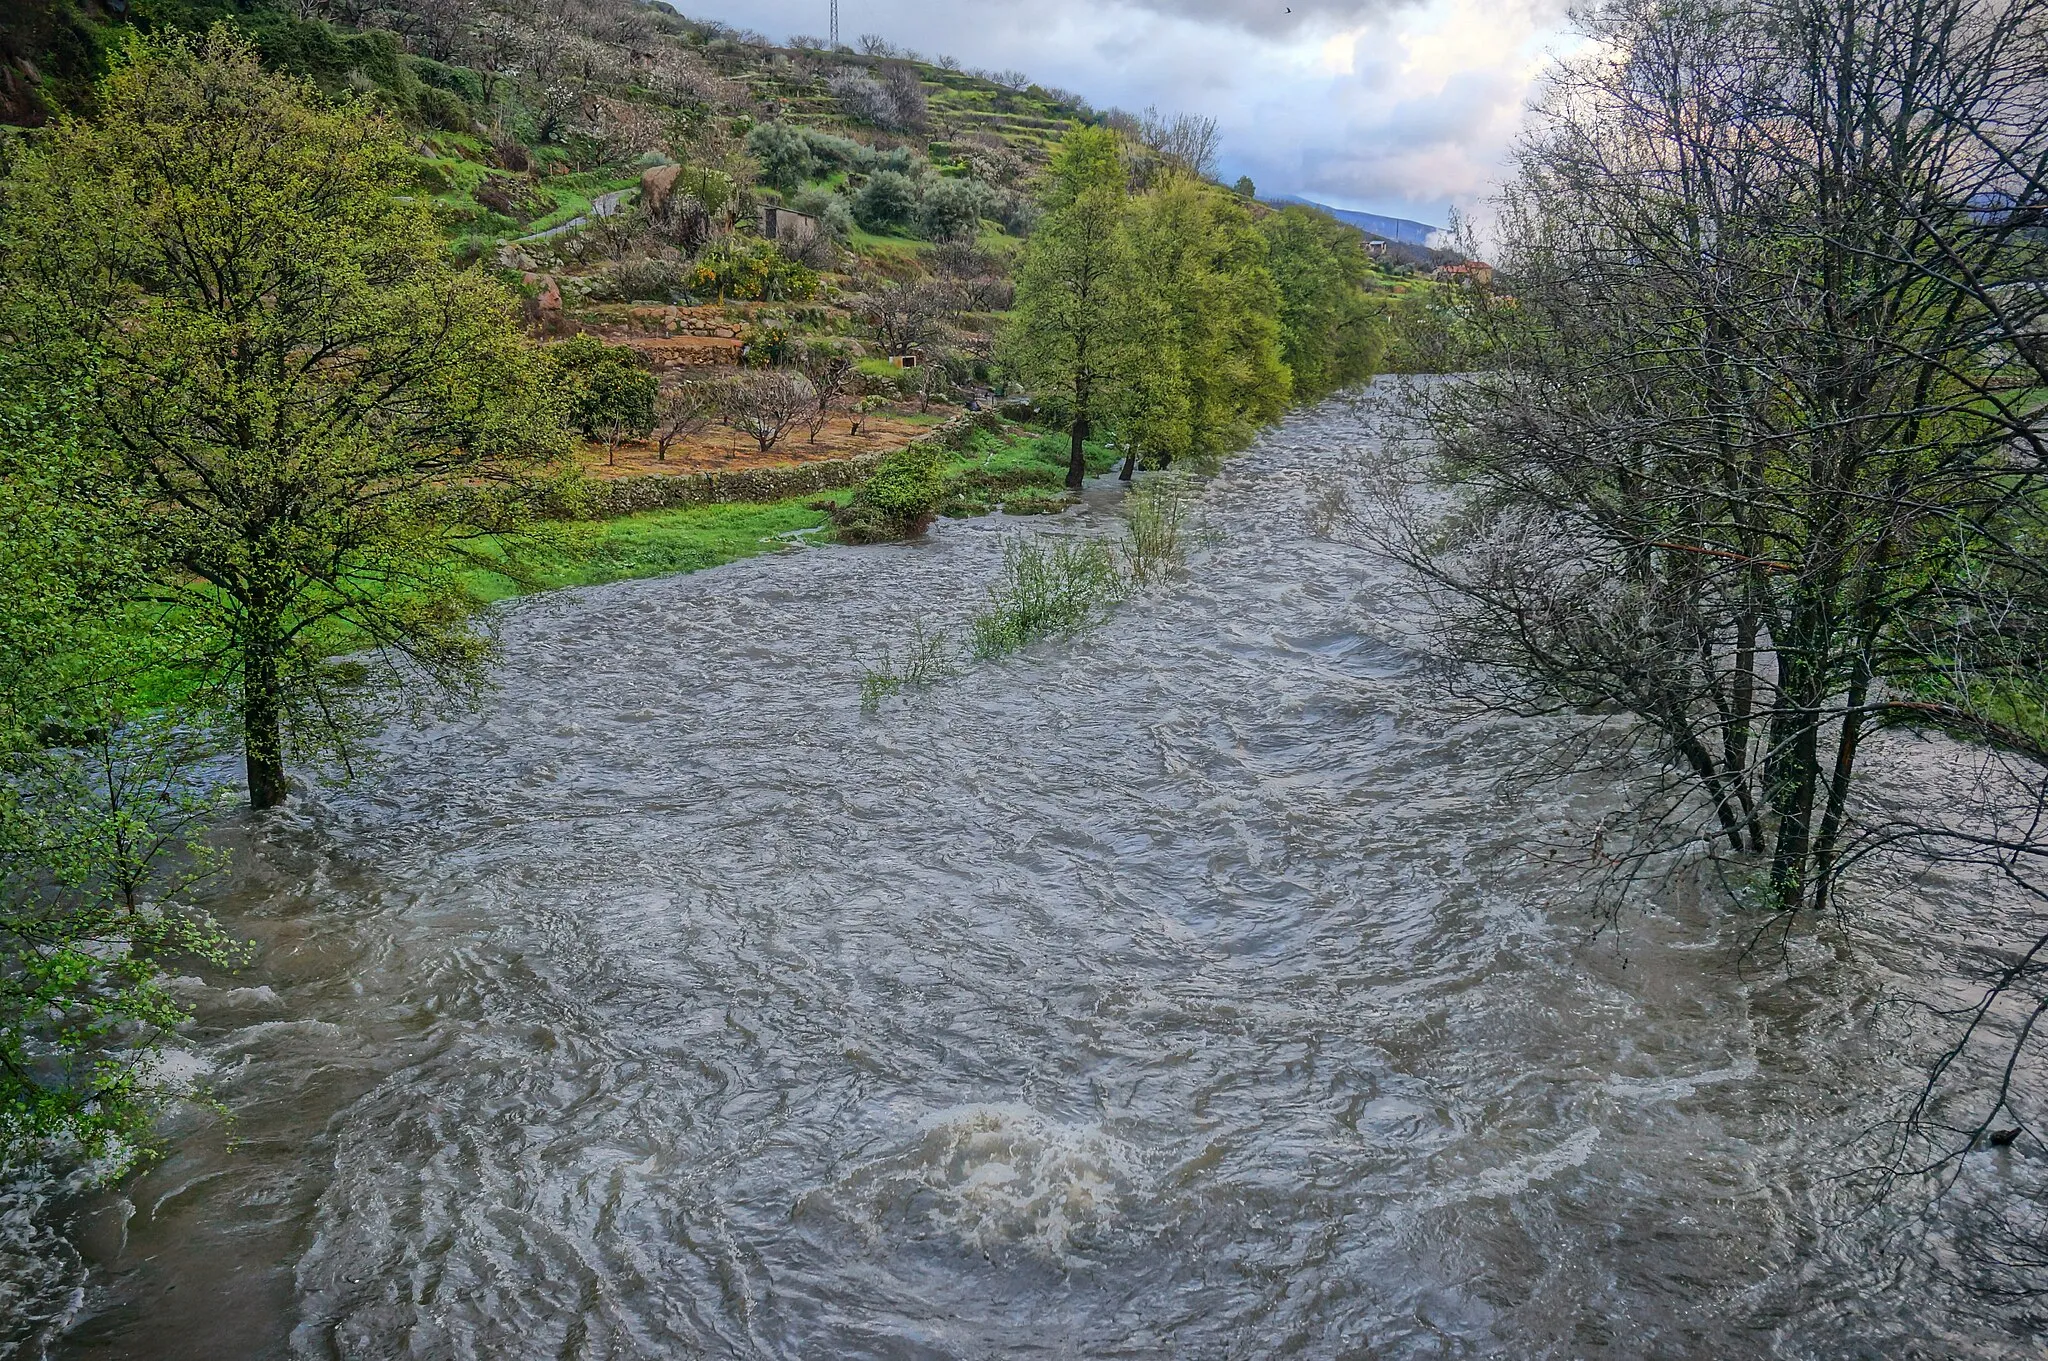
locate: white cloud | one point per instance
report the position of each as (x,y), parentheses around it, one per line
(1399,107)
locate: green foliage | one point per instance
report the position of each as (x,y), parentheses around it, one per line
(830,210)
(97,806)
(325,412)
(1076,338)
(1045,593)
(887,204)
(608,394)
(1331,336)
(785,156)
(898,499)
(927,660)
(1158,520)
(951,209)
(748,270)
(1212,317)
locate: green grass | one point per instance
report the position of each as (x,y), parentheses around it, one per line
(659,543)
(867,242)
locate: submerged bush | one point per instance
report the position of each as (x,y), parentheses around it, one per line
(1045,593)
(927,660)
(1157,525)
(898,500)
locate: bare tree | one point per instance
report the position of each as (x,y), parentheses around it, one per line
(831,371)
(1765,464)
(683,413)
(905,316)
(765,407)
(1187,141)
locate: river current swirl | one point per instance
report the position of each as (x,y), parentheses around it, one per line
(1198,987)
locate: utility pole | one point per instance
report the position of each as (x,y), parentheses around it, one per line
(835,25)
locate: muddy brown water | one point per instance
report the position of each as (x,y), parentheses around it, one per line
(1196,988)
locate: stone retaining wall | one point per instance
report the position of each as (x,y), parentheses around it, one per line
(636,495)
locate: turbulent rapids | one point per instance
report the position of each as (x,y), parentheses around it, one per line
(1192,989)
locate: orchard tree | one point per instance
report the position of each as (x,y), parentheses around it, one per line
(831,371)
(608,393)
(765,407)
(683,413)
(316,414)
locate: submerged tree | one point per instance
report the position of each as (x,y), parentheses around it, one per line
(1765,469)
(99,811)
(317,414)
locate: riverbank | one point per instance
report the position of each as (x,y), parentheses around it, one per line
(1016,469)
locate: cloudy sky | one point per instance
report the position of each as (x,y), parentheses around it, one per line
(1393,106)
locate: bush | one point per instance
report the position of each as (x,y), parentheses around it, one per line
(951,209)
(898,501)
(442,109)
(1045,593)
(787,162)
(889,203)
(752,271)
(643,281)
(1157,522)
(908,483)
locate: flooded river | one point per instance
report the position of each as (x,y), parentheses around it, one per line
(1195,988)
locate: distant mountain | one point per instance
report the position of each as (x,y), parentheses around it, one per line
(1391,228)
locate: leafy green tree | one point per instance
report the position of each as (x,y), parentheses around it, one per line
(1213,322)
(94,802)
(1075,336)
(318,415)
(609,394)
(1331,336)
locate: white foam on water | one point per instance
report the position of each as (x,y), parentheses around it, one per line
(997,1175)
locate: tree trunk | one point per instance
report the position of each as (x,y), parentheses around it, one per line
(1130,463)
(1077,457)
(263,716)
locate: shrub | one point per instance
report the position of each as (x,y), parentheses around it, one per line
(752,271)
(766,347)
(1157,517)
(951,209)
(442,109)
(652,280)
(888,203)
(898,501)
(927,660)
(1045,593)
(784,152)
